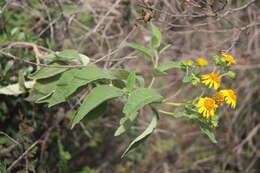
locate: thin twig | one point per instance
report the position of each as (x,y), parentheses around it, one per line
(12,139)
(23,155)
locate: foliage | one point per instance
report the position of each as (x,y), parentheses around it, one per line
(56,84)
(82,102)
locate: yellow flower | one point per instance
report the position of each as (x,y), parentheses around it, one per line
(230,59)
(201,62)
(207,107)
(230,97)
(212,79)
(219,98)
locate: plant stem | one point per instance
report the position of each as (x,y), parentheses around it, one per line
(156,58)
(151,83)
(155,64)
(224,74)
(174,104)
(165,112)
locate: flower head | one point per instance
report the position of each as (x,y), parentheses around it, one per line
(212,79)
(219,98)
(202,62)
(207,107)
(230,97)
(188,63)
(230,59)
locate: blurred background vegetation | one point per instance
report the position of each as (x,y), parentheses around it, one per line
(35,138)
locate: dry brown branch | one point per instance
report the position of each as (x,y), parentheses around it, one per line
(249,137)
(23,155)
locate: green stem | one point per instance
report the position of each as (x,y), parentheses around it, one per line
(156,59)
(151,83)
(223,74)
(174,104)
(165,112)
(155,64)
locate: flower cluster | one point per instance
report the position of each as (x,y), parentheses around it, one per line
(208,105)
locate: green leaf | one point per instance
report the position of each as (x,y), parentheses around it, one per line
(87,170)
(72,79)
(216,59)
(148,131)
(142,50)
(187,78)
(120,74)
(68,54)
(45,98)
(64,155)
(21,80)
(96,96)
(131,81)
(3,168)
(140,81)
(71,56)
(157,36)
(126,123)
(14,31)
(46,72)
(118,83)
(96,113)
(231,74)
(208,131)
(195,80)
(42,89)
(139,98)
(166,66)
(136,100)
(164,48)
(8,66)
(50,56)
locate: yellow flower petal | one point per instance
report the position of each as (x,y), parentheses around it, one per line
(230,59)
(206,107)
(230,97)
(201,62)
(211,80)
